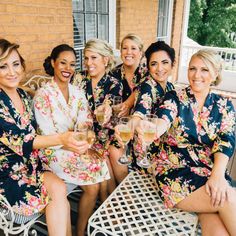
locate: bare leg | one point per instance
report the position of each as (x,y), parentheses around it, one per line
(86,206)
(58,206)
(200,202)
(211,224)
(103,191)
(120,171)
(112,181)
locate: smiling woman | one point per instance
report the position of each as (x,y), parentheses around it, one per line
(59,107)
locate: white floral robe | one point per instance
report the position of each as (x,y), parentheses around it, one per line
(55,115)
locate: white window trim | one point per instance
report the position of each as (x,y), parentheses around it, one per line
(112,23)
(167,38)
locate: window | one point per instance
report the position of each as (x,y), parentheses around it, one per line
(165,10)
(92,19)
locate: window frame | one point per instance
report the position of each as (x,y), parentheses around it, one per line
(168,26)
(111,28)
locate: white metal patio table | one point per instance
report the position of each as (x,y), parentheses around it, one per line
(135,208)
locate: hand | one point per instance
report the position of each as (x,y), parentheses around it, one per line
(117,135)
(71,144)
(218,189)
(108,113)
(124,110)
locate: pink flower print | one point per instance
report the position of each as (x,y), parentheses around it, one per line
(34,201)
(66,170)
(83,176)
(171,140)
(15,177)
(163,155)
(166,189)
(94,167)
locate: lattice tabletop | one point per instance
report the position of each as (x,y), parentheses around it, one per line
(135,208)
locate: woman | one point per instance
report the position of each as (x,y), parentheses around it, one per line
(191,161)
(100,88)
(160,62)
(130,73)
(23,182)
(59,107)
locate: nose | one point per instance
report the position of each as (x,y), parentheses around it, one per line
(197,73)
(159,67)
(11,70)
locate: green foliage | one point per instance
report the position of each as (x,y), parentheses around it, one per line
(212,21)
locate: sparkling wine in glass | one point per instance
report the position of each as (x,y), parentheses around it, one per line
(81,133)
(100,113)
(125,128)
(149,134)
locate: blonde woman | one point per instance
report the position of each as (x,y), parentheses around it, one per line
(100,87)
(198,128)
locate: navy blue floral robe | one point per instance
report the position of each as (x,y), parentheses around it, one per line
(106,89)
(147,101)
(21,176)
(185,157)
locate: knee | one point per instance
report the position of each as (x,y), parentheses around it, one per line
(58,189)
(92,190)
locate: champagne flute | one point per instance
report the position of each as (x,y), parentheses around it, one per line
(91,137)
(125,128)
(81,132)
(116,108)
(100,113)
(149,133)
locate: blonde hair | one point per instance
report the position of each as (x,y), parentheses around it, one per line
(136,39)
(213,63)
(103,48)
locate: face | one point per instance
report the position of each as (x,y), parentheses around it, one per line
(64,66)
(95,64)
(11,71)
(130,53)
(160,66)
(199,75)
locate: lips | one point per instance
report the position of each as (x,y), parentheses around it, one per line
(66,74)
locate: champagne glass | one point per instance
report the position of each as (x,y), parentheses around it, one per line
(100,113)
(116,108)
(91,137)
(125,128)
(81,132)
(149,134)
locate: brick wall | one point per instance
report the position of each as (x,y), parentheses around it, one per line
(37,26)
(137,16)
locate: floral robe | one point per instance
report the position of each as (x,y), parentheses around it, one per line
(147,101)
(106,88)
(139,73)
(21,175)
(185,158)
(53,116)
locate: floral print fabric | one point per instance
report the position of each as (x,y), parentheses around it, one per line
(147,101)
(185,156)
(139,73)
(55,115)
(21,176)
(106,89)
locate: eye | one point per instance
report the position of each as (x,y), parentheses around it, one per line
(72,65)
(16,64)
(192,68)
(3,67)
(153,63)
(205,70)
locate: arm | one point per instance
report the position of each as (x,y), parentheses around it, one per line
(217,186)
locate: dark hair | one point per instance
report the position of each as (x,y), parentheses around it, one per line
(6,48)
(54,55)
(160,46)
